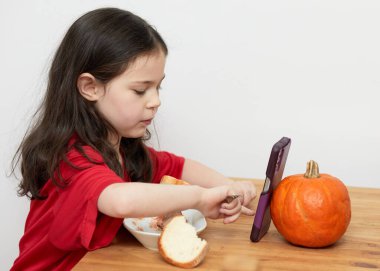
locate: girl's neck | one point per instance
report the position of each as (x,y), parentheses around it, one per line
(115,142)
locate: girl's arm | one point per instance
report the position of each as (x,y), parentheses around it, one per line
(196,173)
(146,199)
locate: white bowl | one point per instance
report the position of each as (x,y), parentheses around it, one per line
(148,237)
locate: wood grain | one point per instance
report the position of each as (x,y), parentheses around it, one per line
(231,248)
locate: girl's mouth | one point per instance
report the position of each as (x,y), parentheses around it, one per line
(147,122)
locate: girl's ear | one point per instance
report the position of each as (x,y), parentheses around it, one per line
(89,87)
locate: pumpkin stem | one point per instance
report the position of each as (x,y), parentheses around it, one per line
(312,170)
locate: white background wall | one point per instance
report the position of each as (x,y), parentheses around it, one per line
(240,75)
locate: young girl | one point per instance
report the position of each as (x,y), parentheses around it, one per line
(84,162)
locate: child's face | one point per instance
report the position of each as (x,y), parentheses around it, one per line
(130,101)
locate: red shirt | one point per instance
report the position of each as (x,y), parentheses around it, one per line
(62,228)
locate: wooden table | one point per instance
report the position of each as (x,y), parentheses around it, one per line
(231,248)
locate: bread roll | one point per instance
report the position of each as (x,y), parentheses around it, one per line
(171,180)
(180,245)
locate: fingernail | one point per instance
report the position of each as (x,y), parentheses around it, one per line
(231,198)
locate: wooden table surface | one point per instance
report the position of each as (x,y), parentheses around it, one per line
(231,248)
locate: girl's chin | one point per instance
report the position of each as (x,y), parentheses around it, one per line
(138,133)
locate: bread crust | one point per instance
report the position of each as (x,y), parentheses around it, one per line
(190,264)
(171,180)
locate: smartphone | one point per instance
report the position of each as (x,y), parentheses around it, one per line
(275,169)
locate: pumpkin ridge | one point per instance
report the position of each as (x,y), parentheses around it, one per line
(339,203)
(327,191)
(288,185)
(299,206)
(288,196)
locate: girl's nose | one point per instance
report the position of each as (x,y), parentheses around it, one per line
(154,100)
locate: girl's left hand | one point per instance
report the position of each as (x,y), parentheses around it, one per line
(247,192)
(231,211)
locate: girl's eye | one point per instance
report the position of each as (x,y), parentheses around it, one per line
(139,92)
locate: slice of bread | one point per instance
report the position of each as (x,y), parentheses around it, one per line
(171,180)
(180,245)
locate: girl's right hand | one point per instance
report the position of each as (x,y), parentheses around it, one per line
(213,204)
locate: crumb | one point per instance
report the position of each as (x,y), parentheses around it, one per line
(157,223)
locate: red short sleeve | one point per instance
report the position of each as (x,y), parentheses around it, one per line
(166,163)
(77,222)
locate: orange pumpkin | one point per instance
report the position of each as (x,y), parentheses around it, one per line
(311,210)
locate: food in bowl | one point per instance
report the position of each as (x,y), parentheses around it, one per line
(147,232)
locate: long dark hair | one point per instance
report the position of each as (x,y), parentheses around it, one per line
(102,42)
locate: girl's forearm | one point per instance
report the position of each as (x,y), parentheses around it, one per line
(144,199)
(199,174)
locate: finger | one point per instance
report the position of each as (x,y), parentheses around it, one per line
(250,194)
(231,196)
(230,205)
(227,212)
(247,211)
(246,198)
(232,211)
(247,201)
(242,198)
(230,219)
(253,193)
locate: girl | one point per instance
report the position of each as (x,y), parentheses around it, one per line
(84,163)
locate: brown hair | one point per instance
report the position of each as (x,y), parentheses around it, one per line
(102,42)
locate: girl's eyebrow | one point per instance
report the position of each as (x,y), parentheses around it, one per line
(147,82)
